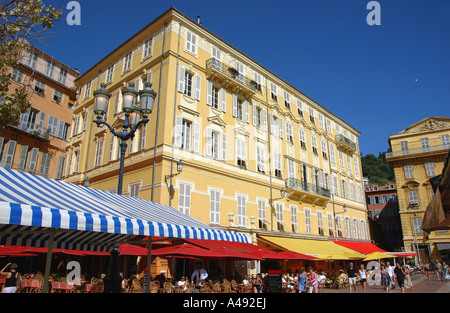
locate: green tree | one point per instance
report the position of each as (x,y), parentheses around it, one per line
(22,22)
(377,169)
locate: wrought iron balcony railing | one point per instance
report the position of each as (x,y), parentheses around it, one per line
(344,140)
(310,188)
(443,148)
(233,73)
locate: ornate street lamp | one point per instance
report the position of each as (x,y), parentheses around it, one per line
(167,177)
(132,114)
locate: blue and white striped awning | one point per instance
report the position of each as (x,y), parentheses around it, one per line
(86,218)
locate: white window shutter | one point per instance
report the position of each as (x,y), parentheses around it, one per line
(61,125)
(234,105)
(198,87)
(23,157)
(265,119)
(208,141)
(224,99)
(247,111)
(224,146)
(9,158)
(33,159)
(40,128)
(181,79)
(196,137)
(209,93)
(255,117)
(178,126)
(281,127)
(24,120)
(272,124)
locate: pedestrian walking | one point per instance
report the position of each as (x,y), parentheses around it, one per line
(438,267)
(390,270)
(362,274)
(302,280)
(351,273)
(408,282)
(445,269)
(427,270)
(385,278)
(400,276)
(311,280)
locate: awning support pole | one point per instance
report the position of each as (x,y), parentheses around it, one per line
(48,261)
(149,264)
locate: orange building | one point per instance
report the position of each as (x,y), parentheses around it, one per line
(38,143)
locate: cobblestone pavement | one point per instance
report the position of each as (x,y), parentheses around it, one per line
(421,284)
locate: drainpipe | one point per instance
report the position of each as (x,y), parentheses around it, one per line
(157,114)
(174,116)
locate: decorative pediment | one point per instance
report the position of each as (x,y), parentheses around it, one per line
(428,124)
(241,131)
(217,120)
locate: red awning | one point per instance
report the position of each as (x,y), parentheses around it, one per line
(361,247)
(187,250)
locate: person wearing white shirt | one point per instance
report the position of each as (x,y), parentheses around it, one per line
(199,276)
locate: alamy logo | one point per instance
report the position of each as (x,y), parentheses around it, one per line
(74,16)
(374,16)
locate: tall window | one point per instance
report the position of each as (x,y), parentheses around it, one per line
(214,207)
(241,154)
(294,219)
(45,163)
(49,69)
(277,166)
(308,221)
(262,214)
(127,61)
(241,211)
(109,73)
(147,47)
(99,153)
(184,199)
(430,168)
(62,76)
(134,190)
(425,144)
(260,159)
(186,135)
(191,42)
(445,141)
(279,212)
(413,198)
(409,171)
(320,223)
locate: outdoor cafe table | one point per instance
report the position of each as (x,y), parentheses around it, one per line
(94,288)
(62,287)
(31,285)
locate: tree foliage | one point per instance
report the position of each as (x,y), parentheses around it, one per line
(377,169)
(22,23)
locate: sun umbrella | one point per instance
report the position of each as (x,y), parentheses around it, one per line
(128,249)
(287,255)
(378,255)
(186,250)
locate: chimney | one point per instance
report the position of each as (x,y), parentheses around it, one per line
(198,20)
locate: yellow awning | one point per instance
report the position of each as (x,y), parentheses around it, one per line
(321,249)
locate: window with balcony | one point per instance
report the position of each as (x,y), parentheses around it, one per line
(425,144)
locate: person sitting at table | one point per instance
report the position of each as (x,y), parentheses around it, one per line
(12,277)
(182,283)
(245,281)
(199,275)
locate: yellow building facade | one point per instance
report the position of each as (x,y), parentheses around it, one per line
(418,154)
(242,132)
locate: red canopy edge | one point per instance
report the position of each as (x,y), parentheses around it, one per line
(361,247)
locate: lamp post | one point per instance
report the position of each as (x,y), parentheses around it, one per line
(132,113)
(283,193)
(167,177)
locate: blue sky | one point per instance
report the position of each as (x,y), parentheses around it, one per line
(379,79)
